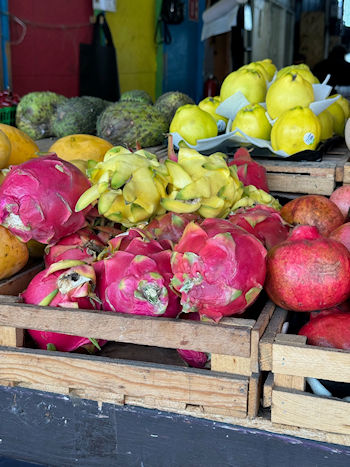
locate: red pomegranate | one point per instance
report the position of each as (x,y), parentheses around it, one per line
(308,272)
(342,234)
(341,197)
(314,210)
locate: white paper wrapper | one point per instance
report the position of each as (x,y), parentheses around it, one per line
(237,101)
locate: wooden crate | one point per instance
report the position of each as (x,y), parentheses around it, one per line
(292,362)
(300,177)
(231,388)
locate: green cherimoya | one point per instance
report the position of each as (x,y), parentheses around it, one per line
(77,115)
(169,102)
(130,123)
(34,112)
(136,95)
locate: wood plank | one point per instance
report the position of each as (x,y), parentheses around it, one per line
(230,364)
(265,345)
(289,382)
(267,391)
(257,331)
(311,361)
(346,177)
(255,387)
(144,330)
(309,411)
(16,284)
(291,183)
(98,376)
(299,167)
(11,337)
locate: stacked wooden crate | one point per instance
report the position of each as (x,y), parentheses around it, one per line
(231,388)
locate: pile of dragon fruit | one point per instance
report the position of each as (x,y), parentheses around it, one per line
(179,266)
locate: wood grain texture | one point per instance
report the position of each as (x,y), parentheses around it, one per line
(265,344)
(96,377)
(309,411)
(254,393)
(230,364)
(257,331)
(267,391)
(289,382)
(311,361)
(144,330)
(11,337)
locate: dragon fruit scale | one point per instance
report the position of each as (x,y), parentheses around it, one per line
(262,221)
(249,172)
(170,226)
(137,284)
(67,284)
(218,268)
(83,245)
(37,199)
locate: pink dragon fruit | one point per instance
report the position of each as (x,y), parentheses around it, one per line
(137,242)
(249,172)
(193,357)
(137,284)
(82,245)
(219,268)
(38,197)
(67,284)
(170,226)
(262,221)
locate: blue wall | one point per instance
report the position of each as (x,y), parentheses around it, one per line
(183,58)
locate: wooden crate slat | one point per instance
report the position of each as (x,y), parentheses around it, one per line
(94,377)
(266,342)
(258,330)
(169,333)
(309,411)
(311,361)
(321,185)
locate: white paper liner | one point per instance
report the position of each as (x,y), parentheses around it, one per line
(237,101)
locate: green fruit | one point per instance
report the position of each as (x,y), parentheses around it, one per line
(77,115)
(169,102)
(290,90)
(193,123)
(34,113)
(136,95)
(131,123)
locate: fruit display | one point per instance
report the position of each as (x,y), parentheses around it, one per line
(286,111)
(192,236)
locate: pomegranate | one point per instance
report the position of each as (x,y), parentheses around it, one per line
(341,197)
(308,272)
(314,210)
(342,234)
